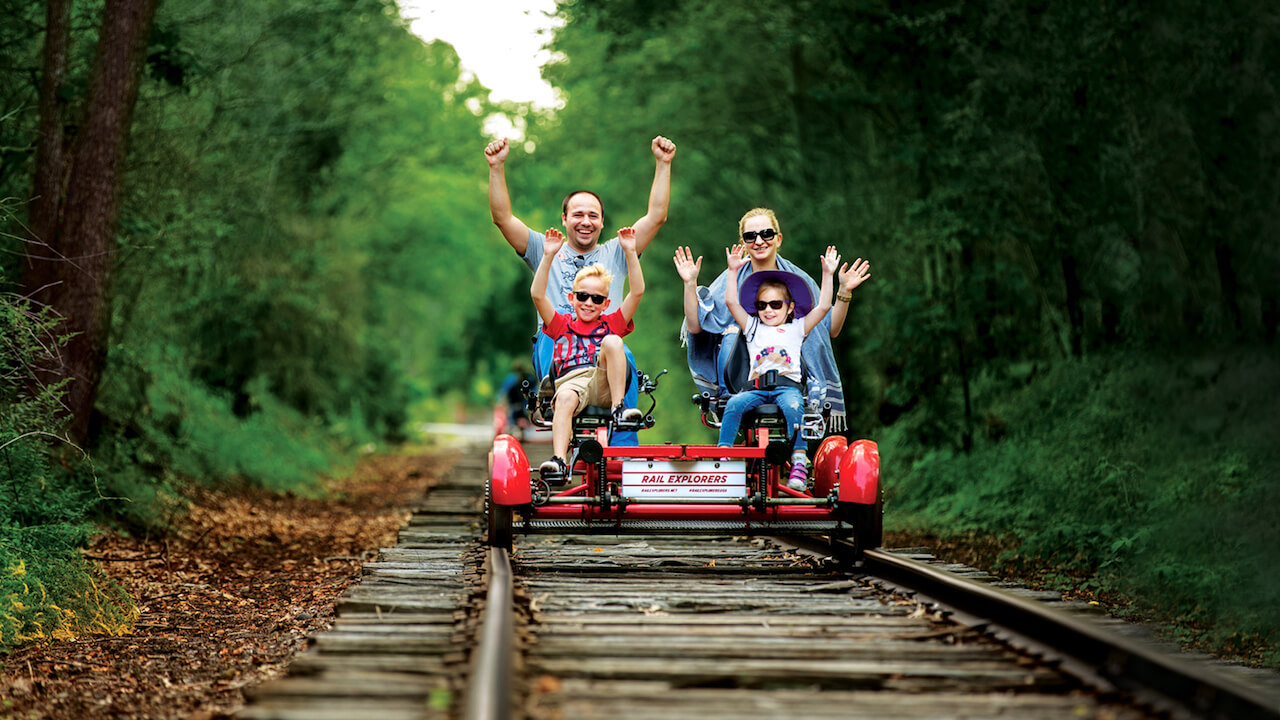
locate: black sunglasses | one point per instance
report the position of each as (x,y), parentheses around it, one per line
(766,235)
(775,304)
(597,299)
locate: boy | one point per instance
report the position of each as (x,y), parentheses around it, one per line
(589,361)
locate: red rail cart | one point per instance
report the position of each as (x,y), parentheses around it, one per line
(686,488)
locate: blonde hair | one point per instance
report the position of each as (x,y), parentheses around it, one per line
(593,270)
(753,212)
(774,285)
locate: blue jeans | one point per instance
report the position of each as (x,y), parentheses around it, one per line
(788,400)
(542,349)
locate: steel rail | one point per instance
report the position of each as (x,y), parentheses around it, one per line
(489,685)
(1192,687)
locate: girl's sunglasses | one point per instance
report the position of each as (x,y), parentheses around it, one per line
(766,235)
(775,304)
(583,296)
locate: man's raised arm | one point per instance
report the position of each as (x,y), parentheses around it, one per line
(659,195)
(513,229)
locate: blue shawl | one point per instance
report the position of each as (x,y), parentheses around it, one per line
(715,319)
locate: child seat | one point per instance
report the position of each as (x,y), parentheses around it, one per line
(735,368)
(733,379)
(542,407)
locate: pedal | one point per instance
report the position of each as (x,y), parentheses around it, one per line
(553,473)
(620,424)
(812,427)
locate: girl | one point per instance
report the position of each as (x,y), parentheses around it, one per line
(779,315)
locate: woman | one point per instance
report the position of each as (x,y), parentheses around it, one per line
(708,317)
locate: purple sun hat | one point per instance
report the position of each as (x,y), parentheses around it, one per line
(799,289)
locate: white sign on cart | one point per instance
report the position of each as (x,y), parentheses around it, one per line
(643,479)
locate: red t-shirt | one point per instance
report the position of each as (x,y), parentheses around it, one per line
(578,343)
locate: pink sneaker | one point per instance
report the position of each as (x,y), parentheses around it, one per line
(799,479)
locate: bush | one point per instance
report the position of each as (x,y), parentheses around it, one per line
(1135,476)
(47,591)
(166,430)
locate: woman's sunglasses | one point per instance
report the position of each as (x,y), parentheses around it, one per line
(597,299)
(775,304)
(766,235)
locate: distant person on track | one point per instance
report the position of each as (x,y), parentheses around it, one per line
(708,320)
(511,399)
(589,363)
(582,214)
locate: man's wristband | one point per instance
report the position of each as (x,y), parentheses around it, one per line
(845,298)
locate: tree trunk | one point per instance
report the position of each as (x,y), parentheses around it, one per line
(82,235)
(959,319)
(1075,313)
(51,155)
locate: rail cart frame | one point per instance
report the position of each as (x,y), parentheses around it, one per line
(685,488)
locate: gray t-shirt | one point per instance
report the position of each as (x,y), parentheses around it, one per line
(567,264)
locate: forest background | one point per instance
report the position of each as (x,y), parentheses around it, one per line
(1067,350)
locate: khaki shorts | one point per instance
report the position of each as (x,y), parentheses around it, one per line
(591,385)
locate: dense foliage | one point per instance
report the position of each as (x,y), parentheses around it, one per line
(1067,208)
(300,207)
(1130,477)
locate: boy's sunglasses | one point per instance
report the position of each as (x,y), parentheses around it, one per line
(597,299)
(775,304)
(766,235)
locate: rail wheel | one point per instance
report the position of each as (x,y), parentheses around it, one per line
(508,479)
(499,517)
(868,524)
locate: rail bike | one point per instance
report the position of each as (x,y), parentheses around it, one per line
(676,488)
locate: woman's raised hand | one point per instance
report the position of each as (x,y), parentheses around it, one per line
(735,256)
(851,276)
(686,265)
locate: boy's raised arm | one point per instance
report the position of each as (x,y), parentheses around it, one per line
(635,276)
(514,231)
(538,288)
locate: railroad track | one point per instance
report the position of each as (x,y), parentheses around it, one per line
(714,628)
(708,627)
(400,644)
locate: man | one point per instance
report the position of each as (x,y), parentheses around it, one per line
(582,214)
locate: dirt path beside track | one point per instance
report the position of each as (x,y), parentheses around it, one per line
(226,598)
